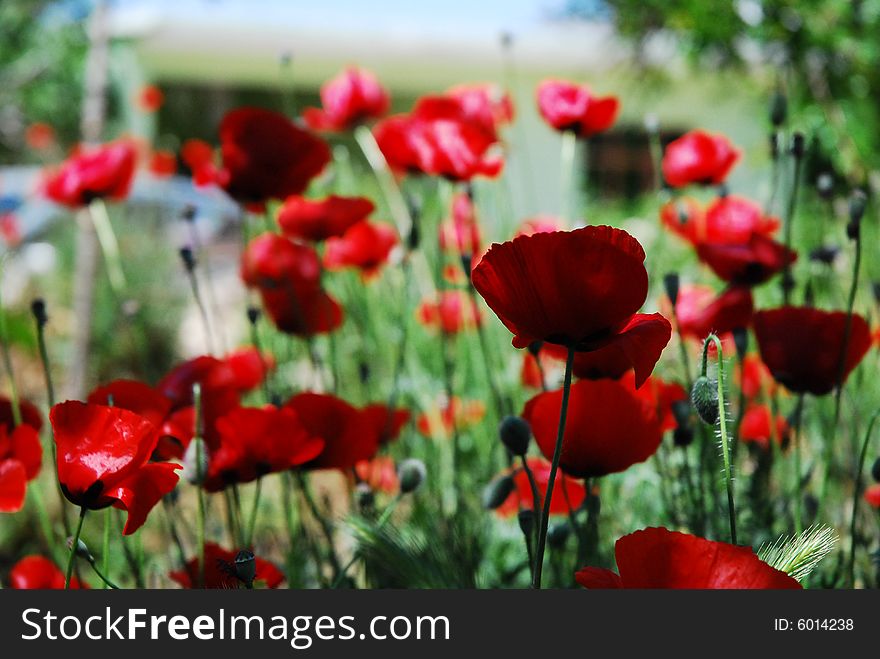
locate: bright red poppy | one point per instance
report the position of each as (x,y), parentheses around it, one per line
(534,370)
(351,98)
(103,460)
(439,422)
(134,396)
(803,346)
(198,156)
(163,163)
(365,246)
(698,157)
(452,312)
(728,219)
(266,156)
(258,441)
(754,378)
(103,172)
(39,573)
(700,310)
(609,427)
(872,495)
(460,232)
(220,571)
(21,456)
(660,395)
(568,493)
(317,220)
(150,98)
(580,289)
(486,104)
(249,368)
(747,264)
(659,558)
(755,427)
(568,106)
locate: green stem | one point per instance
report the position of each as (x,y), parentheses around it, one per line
(554,467)
(796,434)
(567,174)
(789,222)
(249,537)
(109,245)
(71,559)
(322,522)
(200,495)
(105,548)
(102,575)
(386,515)
(857,489)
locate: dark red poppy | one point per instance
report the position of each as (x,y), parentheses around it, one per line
(754,378)
(438,139)
(162,163)
(453,312)
(39,573)
(349,99)
(197,155)
(249,368)
(349,435)
(266,156)
(103,172)
(803,346)
(134,396)
(609,427)
(150,98)
(568,493)
(659,558)
(698,157)
(220,571)
(258,441)
(388,422)
(317,220)
(567,106)
(365,246)
(728,219)
(749,263)
(103,460)
(580,289)
(438,422)
(872,495)
(533,372)
(486,104)
(460,233)
(755,427)
(21,456)
(700,311)
(29,414)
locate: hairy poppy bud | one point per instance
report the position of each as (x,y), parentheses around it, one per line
(778,109)
(825,185)
(683,436)
(704,396)
(515,433)
(681,410)
(195,461)
(497,491)
(798,145)
(38,309)
(411,473)
(741,341)
(253,314)
(558,535)
(526,519)
(188,258)
(245,567)
(671,284)
(875,470)
(82,550)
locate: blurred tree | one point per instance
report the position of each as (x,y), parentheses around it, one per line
(42,46)
(824,54)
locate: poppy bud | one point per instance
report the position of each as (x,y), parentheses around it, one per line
(824,254)
(497,491)
(683,436)
(38,309)
(778,109)
(411,472)
(364,372)
(412,241)
(188,213)
(515,433)
(195,461)
(246,567)
(82,550)
(741,341)
(774,145)
(875,470)
(875,289)
(704,396)
(825,185)
(857,202)
(526,519)
(671,284)
(253,314)
(365,496)
(798,145)
(188,258)
(558,534)
(681,410)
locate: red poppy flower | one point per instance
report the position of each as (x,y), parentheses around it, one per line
(134,396)
(872,495)
(365,245)
(486,104)
(660,395)
(567,106)
(534,369)
(749,263)
(565,491)
(698,157)
(29,414)
(578,288)
(460,233)
(609,427)
(453,312)
(380,474)
(439,422)
(39,136)
(439,139)
(700,311)
(803,346)
(349,435)
(659,558)
(258,441)
(163,164)
(755,427)
(39,573)
(266,156)
(349,99)
(150,98)
(388,422)
(21,456)
(308,219)
(197,155)
(103,172)
(539,224)
(249,368)
(756,379)
(728,219)
(103,455)
(220,570)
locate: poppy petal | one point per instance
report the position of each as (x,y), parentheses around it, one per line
(138,493)
(13,483)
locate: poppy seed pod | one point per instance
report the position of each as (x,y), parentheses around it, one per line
(798,145)
(683,436)
(857,203)
(38,309)
(825,185)
(558,535)
(704,396)
(515,433)
(741,341)
(411,473)
(875,470)
(82,550)
(195,461)
(526,519)
(671,283)
(246,567)
(778,109)
(497,491)
(253,314)
(188,258)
